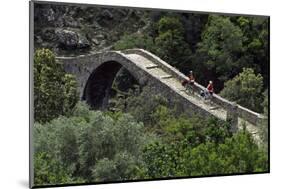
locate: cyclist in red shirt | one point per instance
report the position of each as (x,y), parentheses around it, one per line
(208,92)
(210,88)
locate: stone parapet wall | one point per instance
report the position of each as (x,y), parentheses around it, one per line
(242,112)
(250,116)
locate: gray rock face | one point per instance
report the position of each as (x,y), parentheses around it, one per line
(71,40)
(80,29)
(95,41)
(50,15)
(69,21)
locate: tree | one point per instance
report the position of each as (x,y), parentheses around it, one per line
(124,80)
(219,51)
(193,25)
(89,145)
(255,31)
(123,166)
(141,105)
(136,40)
(170,42)
(265,102)
(236,154)
(245,89)
(264,124)
(49,171)
(55,91)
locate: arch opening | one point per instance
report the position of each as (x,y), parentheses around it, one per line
(98,87)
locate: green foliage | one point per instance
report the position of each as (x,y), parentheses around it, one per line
(264,124)
(265,102)
(238,154)
(54,91)
(170,24)
(170,42)
(160,160)
(124,80)
(82,143)
(193,26)
(141,105)
(135,40)
(123,166)
(220,49)
(228,45)
(49,170)
(256,54)
(245,89)
(195,129)
(92,146)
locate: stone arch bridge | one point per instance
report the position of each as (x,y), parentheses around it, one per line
(95,74)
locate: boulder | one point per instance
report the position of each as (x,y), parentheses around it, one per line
(71,40)
(67,39)
(83,42)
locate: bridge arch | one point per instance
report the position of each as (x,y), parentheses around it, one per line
(98,86)
(95,74)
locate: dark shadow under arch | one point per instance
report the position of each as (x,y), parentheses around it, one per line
(98,86)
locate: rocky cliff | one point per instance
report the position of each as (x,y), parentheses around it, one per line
(80,29)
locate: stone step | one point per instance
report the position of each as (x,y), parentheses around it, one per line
(214,108)
(151,66)
(166,77)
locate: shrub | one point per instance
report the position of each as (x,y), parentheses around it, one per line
(135,40)
(237,154)
(55,91)
(245,89)
(170,42)
(80,144)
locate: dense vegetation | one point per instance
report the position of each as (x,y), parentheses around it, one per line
(246,89)
(142,136)
(54,91)
(93,146)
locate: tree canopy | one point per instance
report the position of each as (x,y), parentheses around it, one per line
(55,92)
(245,89)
